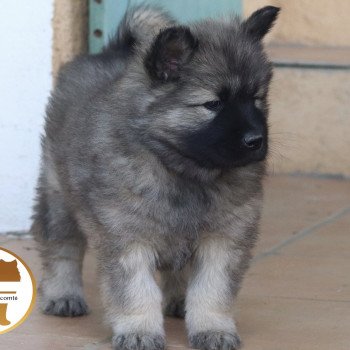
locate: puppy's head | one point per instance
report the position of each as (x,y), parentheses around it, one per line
(211,83)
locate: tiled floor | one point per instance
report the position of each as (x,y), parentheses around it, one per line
(296,296)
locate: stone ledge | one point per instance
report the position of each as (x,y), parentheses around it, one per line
(310,56)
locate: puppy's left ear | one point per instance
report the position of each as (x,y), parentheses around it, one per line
(171,50)
(261,21)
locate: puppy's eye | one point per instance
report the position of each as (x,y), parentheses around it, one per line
(213,105)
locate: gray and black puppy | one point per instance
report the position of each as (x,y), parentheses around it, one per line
(154,151)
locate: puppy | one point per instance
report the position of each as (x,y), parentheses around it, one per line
(154,151)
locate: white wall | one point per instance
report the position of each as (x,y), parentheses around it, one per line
(25,82)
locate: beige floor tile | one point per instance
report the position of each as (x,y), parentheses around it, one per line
(3,239)
(291,324)
(176,334)
(42,342)
(330,240)
(315,267)
(325,278)
(294,203)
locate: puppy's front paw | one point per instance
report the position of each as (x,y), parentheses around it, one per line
(67,306)
(134,341)
(215,340)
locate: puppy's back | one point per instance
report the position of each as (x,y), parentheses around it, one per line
(80,80)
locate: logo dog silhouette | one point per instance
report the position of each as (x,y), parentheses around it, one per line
(8,273)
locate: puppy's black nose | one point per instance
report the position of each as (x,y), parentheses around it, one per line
(253,140)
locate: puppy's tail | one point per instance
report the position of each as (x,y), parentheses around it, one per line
(139,25)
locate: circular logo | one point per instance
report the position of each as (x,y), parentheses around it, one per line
(17,291)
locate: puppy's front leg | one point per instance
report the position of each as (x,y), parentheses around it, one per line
(217,270)
(132,298)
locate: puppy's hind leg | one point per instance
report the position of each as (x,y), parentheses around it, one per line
(62,248)
(174,285)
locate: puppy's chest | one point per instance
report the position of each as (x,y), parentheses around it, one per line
(190,211)
(184,224)
(181,215)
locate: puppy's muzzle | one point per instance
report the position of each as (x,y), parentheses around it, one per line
(253,140)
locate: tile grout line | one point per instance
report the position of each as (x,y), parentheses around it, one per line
(96,344)
(307,299)
(303,233)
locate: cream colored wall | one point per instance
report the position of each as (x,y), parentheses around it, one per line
(308,22)
(70,25)
(310,121)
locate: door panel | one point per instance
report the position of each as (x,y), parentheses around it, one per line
(106,14)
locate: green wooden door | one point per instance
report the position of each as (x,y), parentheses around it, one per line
(104,15)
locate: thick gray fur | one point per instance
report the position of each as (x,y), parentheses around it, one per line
(144,207)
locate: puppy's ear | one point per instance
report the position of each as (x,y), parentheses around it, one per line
(261,21)
(171,50)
